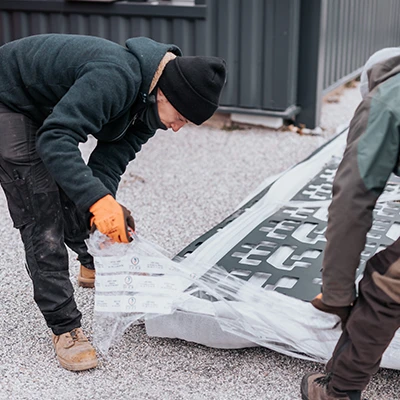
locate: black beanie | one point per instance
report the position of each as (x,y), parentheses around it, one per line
(193,86)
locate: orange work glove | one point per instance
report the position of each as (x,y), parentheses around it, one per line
(112,219)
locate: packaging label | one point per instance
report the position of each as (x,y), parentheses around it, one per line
(137,303)
(140,283)
(129,263)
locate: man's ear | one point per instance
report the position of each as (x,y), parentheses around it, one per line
(161,96)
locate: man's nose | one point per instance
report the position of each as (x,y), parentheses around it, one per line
(177,125)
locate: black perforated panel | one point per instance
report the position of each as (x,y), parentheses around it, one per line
(285,251)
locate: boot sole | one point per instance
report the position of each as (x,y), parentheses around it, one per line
(78,367)
(304,387)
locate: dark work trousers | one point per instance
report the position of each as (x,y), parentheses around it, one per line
(46,219)
(372,324)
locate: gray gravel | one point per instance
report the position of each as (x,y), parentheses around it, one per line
(181,185)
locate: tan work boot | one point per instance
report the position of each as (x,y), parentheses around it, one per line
(86,277)
(74,352)
(315,386)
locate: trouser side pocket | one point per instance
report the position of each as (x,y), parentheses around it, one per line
(19,200)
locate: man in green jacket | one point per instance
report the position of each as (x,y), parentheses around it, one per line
(370,319)
(55,90)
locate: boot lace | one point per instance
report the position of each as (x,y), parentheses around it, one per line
(323,380)
(74,335)
(77,335)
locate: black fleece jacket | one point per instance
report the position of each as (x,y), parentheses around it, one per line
(74,86)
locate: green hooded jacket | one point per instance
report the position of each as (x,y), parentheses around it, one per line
(371,156)
(73,86)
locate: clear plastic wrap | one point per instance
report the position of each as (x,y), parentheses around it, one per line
(132,281)
(196,300)
(137,281)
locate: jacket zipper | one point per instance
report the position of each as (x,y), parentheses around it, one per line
(132,121)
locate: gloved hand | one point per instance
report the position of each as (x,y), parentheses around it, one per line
(112,219)
(342,312)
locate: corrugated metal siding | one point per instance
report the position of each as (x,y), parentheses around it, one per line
(181,31)
(259,40)
(354,30)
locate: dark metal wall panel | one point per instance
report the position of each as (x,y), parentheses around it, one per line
(223,26)
(182,25)
(116,28)
(311,66)
(251,67)
(354,30)
(259,40)
(285,55)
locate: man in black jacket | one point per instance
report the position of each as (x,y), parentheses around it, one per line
(55,90)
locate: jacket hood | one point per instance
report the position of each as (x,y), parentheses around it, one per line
(382,65)
(149,54)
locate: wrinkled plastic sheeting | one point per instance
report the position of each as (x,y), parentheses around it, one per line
(133,281)
(137,281)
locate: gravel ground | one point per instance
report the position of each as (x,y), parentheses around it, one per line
(180,186)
